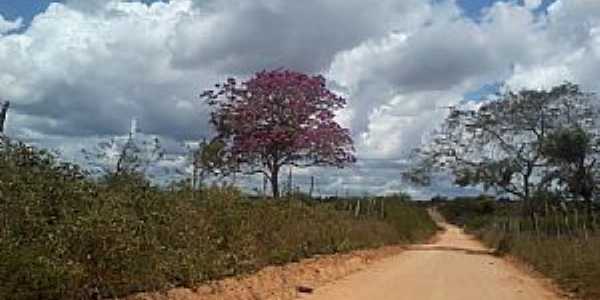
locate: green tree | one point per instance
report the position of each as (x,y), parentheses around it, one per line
(572,154)
(499,144)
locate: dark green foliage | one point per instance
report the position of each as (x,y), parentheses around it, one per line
(573,153)
(469,212)
(570,145)
(63,236)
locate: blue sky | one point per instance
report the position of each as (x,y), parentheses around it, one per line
(27,9)
(473,8)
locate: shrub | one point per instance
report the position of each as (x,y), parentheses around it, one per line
(66,236)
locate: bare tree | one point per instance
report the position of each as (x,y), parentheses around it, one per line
(125,155)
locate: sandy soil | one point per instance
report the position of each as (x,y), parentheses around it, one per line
(281,282)
(454,267)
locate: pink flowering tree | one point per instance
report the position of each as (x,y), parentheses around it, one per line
(278,118)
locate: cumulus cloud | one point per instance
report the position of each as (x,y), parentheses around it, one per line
(84,68)
(400,84)
(242,37)
(569,48)
(89,72)
(532,4)
(7,26)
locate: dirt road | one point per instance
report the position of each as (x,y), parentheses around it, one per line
(454,267)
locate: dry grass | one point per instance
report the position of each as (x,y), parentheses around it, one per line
(574,263)
(568,252)
(64,236)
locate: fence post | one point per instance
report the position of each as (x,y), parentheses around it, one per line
(557,223)
(357,209)
(576,221)
(312,186)
(3,111)
(567,225)
(585,231)
(536,224)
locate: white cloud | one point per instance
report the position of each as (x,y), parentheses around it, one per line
(532,4)
(242,37)
(86,67)
(90,72)
(7,26)
(569,48)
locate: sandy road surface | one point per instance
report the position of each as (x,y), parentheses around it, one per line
(454,267)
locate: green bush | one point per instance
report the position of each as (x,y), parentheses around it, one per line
(66,236)
(472,213)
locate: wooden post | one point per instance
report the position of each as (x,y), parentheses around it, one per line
(3,112)
(536,224)
(568,230)
(357,209)
(195,162)
(585,230)
(290,184)
(312,186)
(576,221)
(374,206)
(557,223)
(264,188)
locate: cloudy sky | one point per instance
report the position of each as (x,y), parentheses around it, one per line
(78,70)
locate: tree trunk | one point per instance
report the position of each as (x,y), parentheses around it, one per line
(275,182)
(3,111)
(528,205)
(194,177)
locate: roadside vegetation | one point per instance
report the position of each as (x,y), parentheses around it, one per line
(563,245)
(64,235)
(540,148)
